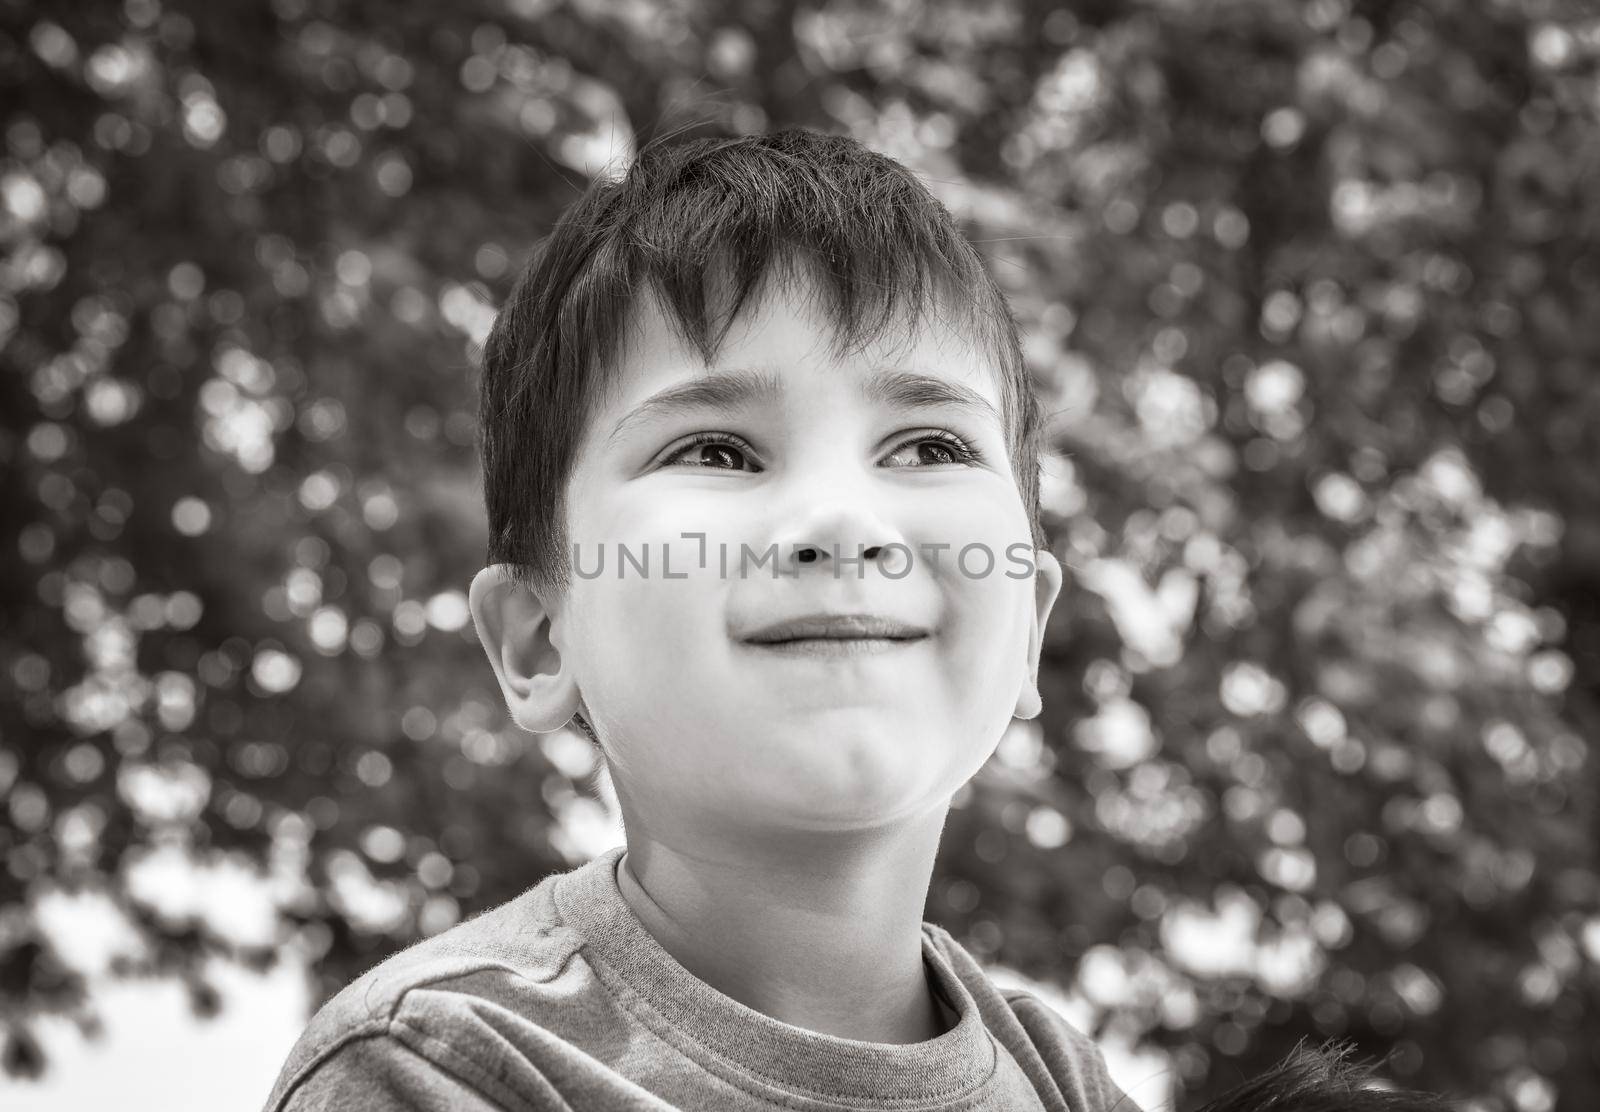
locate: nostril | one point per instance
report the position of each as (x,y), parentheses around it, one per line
(810,553)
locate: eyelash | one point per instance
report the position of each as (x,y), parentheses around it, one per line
(963,452)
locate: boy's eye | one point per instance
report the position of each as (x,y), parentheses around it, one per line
(725,452)
(942,447)
(711,450)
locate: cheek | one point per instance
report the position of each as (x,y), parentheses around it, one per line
(627,622)
(992,610)
(990,538)
(641,642)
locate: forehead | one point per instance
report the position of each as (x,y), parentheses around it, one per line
(787,331)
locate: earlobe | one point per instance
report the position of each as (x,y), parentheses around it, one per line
(1047,581)
(514,628)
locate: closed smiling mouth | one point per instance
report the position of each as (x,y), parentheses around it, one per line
(837,628)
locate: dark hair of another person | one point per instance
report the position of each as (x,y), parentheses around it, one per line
(1326,1080)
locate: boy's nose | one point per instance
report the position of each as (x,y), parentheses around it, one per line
(834,539)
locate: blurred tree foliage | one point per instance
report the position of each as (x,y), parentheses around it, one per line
(1310,289)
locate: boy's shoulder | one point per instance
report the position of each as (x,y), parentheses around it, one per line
(467,1014)
(1048,1046)
(491,961)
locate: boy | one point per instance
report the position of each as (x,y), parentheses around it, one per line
(761,470)
(808,309)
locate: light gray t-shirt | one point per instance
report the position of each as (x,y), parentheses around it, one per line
(560,999)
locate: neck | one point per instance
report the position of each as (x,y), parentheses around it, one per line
(822,932)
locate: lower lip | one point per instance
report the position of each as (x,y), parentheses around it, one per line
(836,646)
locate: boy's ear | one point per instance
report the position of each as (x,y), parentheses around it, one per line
(514,627)
(1047,579)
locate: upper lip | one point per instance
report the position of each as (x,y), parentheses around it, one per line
(836,627)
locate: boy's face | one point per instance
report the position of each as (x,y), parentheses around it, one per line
(720,732)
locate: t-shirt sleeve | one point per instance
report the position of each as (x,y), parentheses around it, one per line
(1073,1058)
(379,1073)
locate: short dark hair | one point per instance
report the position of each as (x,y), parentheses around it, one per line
(704,225)
(1322,1080)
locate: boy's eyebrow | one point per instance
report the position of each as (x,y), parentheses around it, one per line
(912,390)
(731,390)
(744,388)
